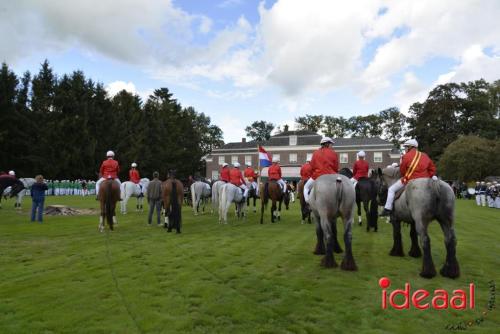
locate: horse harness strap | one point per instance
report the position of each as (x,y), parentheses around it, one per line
(413,165)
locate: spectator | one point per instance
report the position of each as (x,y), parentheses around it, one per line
(38,196)
(153,194)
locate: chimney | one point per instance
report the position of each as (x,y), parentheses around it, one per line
(285,128)
(243,140)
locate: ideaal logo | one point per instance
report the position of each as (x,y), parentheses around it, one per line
(422,299)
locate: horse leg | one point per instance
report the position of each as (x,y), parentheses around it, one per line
(328,261)
(279,210)
(254,205)
(415,248)
(273,210)
(320,244)
(450,268)
(367,215)
(428,269)
(348,262)
(358,204)
(101,223)
(336,245)
(397,248)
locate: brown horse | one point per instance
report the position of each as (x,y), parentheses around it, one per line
(272,190)
(109,194)
(304,207)
(173,194)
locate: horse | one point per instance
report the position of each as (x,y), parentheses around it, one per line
(200,192)
(252,194)
(304,207)
(271,190)
(422,201)
(109,194)
(9,181)
(333,196)
(216,194)
(287,195)
(367,193)
(229,194)
(130,189)
(173,194)
(27,182)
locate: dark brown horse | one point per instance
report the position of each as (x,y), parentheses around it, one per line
(109,194)
(304,207)
(271,190)
(173,194)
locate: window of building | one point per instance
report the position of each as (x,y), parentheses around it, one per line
(344,158)
(215,175)
(222,159)
(234,158)
(276,156)
(293,140)
(293,158)
(309,156)
(248,159)
(377,157)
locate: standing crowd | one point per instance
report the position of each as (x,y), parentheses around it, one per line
(488,194)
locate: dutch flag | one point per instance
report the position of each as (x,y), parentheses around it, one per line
(264,157)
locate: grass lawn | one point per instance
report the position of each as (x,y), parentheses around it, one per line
(63,276)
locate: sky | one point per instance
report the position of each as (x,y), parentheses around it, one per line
(239,61)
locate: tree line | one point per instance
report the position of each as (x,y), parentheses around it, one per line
(466,115)
(62,126)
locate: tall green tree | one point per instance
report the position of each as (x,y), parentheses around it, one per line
(309,122)
(393,125)
(259,130)
(335,126)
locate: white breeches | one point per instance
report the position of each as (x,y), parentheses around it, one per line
(98,183)
(392,192)
(307,189)
(245,188)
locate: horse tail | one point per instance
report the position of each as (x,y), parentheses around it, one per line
(339,192)
(109,197)
(123,188)
(176,212)
(193,197)
(223,198)
(265,195)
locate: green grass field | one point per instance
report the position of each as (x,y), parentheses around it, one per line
(63,276)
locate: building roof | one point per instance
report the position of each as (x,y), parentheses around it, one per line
(304,138)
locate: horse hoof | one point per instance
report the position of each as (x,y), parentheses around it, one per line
(328,262)
(415,252)
(450,271)
(395,252)
(348,264)
(428,274)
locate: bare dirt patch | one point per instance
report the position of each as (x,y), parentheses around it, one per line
(63,210)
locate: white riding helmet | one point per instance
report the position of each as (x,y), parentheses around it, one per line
(236,164)
(134,164)
(411,142)
(326,140)
(248,164)
(224,164)
(276,159)
(11,172)
(110,154)
(361,154)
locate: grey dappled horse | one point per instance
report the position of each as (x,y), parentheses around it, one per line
(216,193)
(230,194)
(422,201)
(333,196)
(200,192)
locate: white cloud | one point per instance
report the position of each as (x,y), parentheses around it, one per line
(229,3)
(232,127)
(117,86)
(412,90)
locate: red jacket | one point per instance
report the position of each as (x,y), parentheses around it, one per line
(250,174)
(274,172)
(305,171)
(224,174)
(324,161)
(109,169)
(423,168)
(235,177)
(133,175)
(360,169)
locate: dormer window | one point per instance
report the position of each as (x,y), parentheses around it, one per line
(293,140)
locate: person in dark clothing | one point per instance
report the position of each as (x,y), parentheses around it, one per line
(38,196)
(153,194)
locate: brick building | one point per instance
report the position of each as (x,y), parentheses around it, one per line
(294,147)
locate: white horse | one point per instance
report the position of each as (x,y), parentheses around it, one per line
(130,189)
(216,194)
(200,192)
(231,194)
(27,182)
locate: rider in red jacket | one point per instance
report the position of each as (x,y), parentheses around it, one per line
(274,173)
(109,170)
(236,178)
(414,165)
(306,171)
(324,161)
(360,168)
(224,172)
(133,174)
(251,177)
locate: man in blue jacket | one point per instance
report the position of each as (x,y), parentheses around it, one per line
(38,196)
